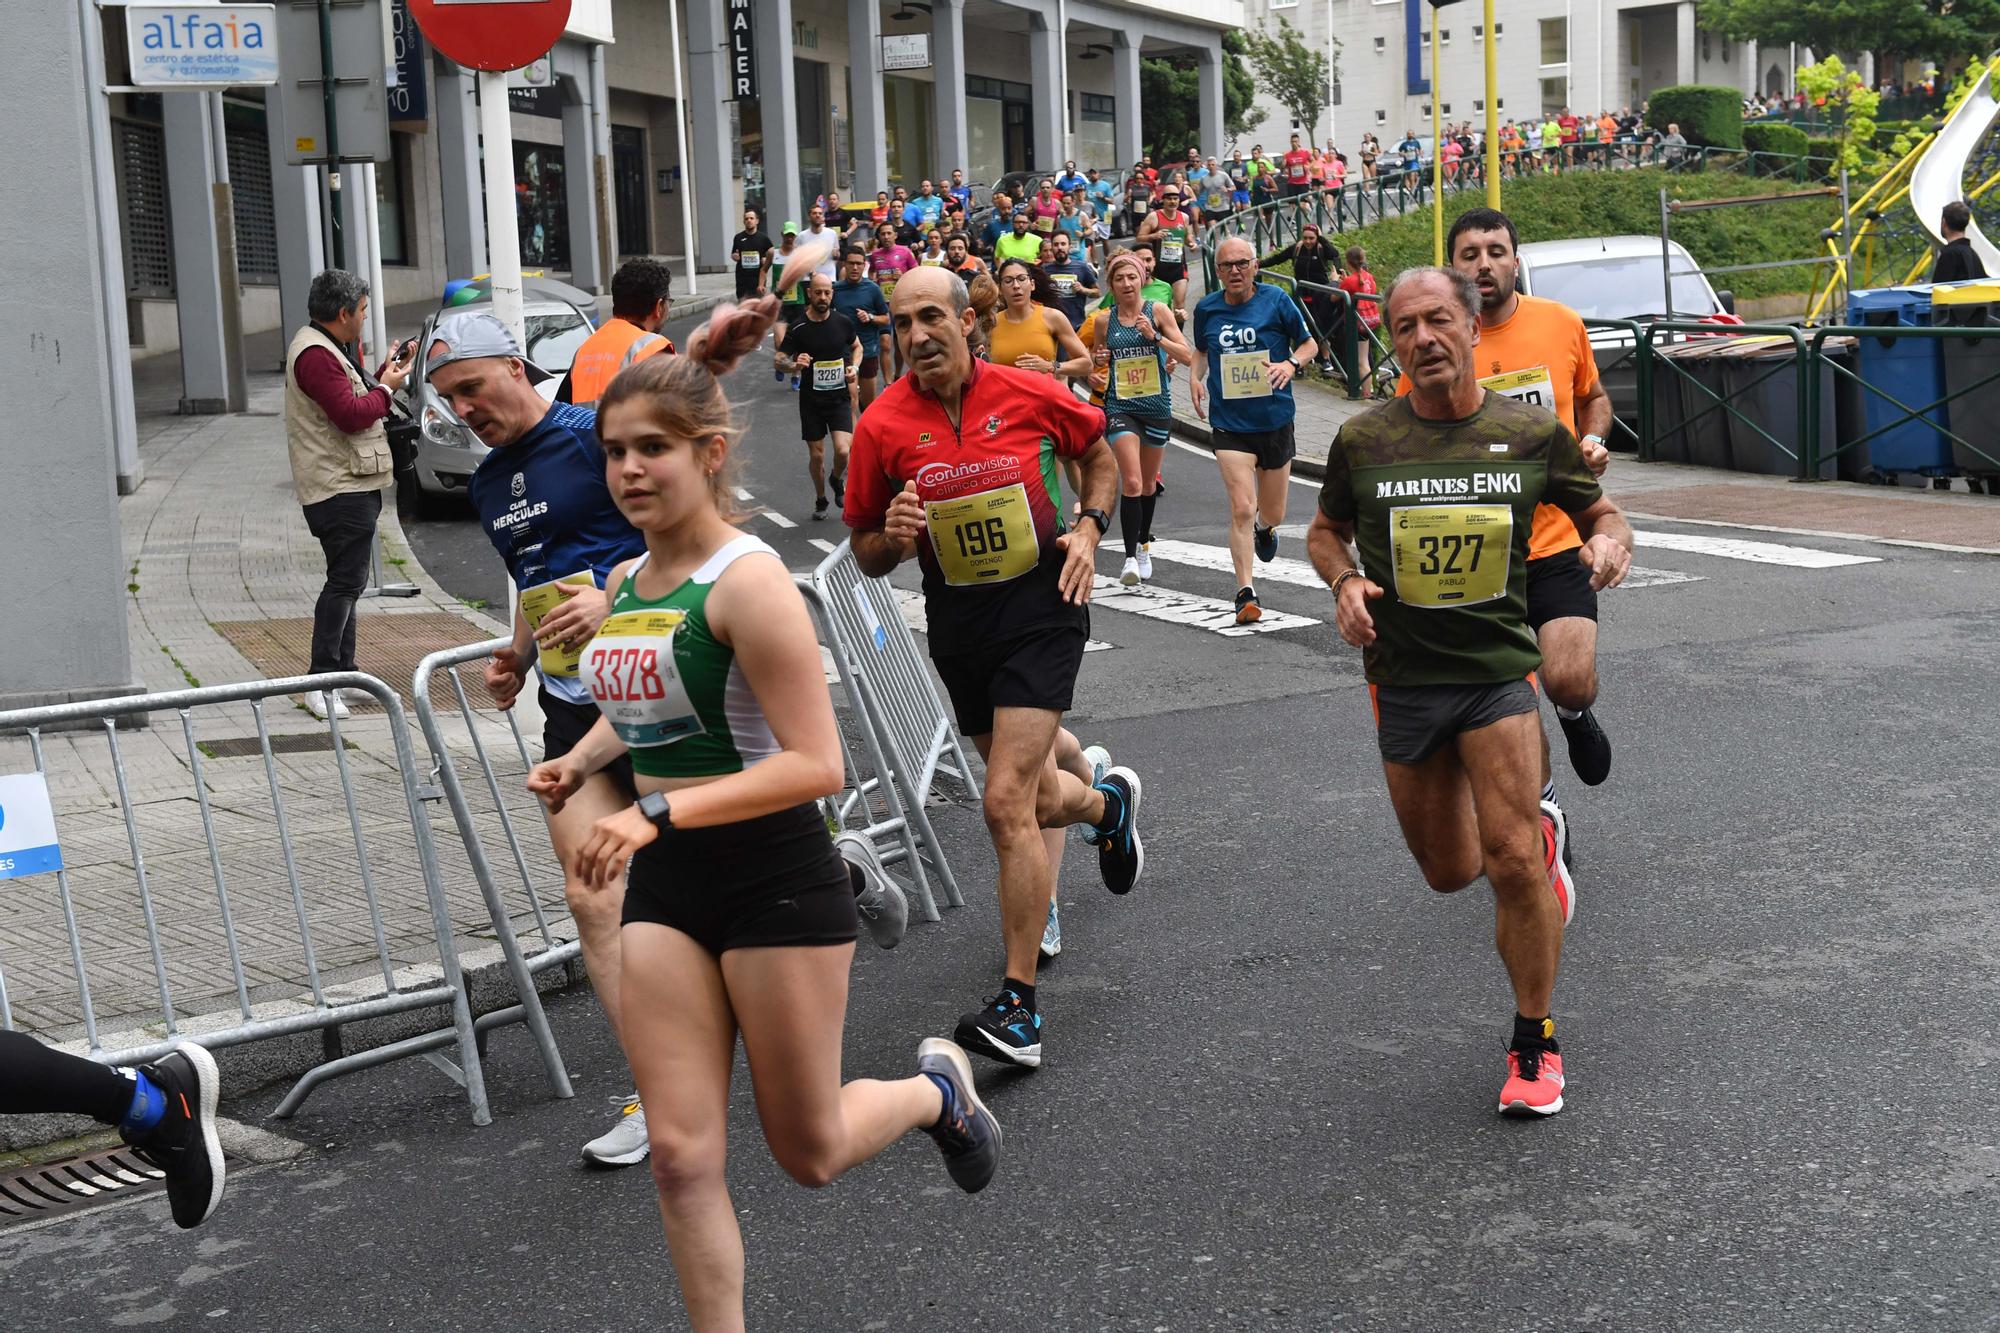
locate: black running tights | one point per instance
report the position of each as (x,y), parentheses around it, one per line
(38,1078)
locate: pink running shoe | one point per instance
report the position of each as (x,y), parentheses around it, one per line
(1534,1083)
(1555,837)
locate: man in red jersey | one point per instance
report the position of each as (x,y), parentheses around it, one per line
(956,464)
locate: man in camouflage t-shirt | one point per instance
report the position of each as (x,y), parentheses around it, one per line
(1438,491)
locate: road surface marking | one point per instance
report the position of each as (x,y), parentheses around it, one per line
(823,544)
(1635,577)
(1817,532)
(777,518)
(1180,608)
(1760,553)
(1281,570)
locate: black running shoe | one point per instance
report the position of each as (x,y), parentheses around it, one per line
(1003,1030)
(1120,854)
(184,1144)
(1589,747)
(1248,611)
(1267,543)
(819,509)
(967,1134)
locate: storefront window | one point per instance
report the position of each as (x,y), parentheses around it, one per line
(1096,137)
(541,205)
(907,104)
(391,180)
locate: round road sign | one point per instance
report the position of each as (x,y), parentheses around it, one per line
(492,34)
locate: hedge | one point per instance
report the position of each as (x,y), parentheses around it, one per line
(1776,139)
(1709,116)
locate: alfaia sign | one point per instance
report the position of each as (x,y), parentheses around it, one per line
(179,46)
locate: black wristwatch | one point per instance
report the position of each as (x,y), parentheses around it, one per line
(653,805)
(1102,519)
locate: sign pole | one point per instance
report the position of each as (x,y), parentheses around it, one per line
(326,86)
(503,232)
(681,139)
(1437,152)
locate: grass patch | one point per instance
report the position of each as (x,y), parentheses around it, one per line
(193,680)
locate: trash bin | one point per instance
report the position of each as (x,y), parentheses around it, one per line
(1972,305)
(1767,396)
(1850,413)
(1688,426)
(1908,369)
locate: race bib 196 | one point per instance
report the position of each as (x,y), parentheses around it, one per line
(1137,372)
(1244,374)
(1451,555)
(829,374)
(983,538)
(629,668)
(1531,386)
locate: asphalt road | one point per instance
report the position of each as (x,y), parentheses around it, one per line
(1268,1099)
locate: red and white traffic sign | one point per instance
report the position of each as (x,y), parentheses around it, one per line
(492,34)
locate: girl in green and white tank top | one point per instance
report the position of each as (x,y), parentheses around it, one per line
(1143,338)
(738,910)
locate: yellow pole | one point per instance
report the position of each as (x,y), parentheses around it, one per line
(1437,154)
(1492,113)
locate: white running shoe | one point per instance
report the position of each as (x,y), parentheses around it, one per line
(881,904)
(625,1143)
(316,702)
(1099,760)
(1146,561)
(1052,933)
(1129,576)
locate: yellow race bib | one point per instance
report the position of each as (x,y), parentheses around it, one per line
(1451,555)
(1138,373)
(536,603)
(983,538)
(1531,386)
(1244,374)
(829,374)
(1171,252)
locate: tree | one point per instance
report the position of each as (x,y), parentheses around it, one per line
(1836,87)
(1935,29)
(1300,78)
(1170,98)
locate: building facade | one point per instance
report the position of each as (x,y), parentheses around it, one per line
(1589,55)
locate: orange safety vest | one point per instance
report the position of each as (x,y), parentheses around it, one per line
(615,345)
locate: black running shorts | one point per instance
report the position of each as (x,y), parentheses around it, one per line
(1152,431)
(821,416)
(563,725)
(1032,670)
(1558,588)
(1274,448)
(1414,722)
(871,366)
(768,882)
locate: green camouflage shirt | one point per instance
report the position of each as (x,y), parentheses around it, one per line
(1442,512)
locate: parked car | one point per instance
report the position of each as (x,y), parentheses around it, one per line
(1620,277)
(556,320)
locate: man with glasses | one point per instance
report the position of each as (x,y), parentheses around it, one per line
(1249,341)
(1173,231)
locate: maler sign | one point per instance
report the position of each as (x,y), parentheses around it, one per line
(742,52)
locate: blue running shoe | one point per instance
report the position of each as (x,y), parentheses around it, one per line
(1266,540)
(967,1134)
(1052,933)
(1099,760)
(1004,1030)
(1120,855)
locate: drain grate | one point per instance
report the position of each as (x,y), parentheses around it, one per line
(303,742)
(76,1183)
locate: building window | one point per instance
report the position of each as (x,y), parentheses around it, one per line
(1444,37)
(1284,4)
(1478,104)
(1381,118)
(1706,54)
(1424,39)
(1555,41)
(1445,110)
(541,204)
(630,190)
(392,203)
(1478,32)
(1381,45)
(1555,92)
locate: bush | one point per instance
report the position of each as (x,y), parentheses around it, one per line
(1787,139)
(1710,117)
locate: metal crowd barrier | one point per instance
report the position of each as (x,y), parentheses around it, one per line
(172,931)
(444,784)
(919,737)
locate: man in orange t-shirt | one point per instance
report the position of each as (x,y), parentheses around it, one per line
(1537,351)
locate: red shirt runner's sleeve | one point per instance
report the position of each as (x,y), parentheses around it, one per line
(320,375)
(869,486)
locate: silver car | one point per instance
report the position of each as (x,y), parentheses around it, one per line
(556,322)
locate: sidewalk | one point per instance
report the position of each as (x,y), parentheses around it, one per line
(1678,492)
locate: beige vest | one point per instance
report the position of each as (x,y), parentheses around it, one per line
(325,461)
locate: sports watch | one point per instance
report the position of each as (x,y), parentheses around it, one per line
(653,805)
(1102,519)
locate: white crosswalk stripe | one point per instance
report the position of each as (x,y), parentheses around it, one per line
(1284,569)
(1181,608)
(1761,553)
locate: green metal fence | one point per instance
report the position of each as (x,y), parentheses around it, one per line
(1986,447)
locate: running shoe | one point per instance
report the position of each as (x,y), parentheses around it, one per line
(1129,576)
(184,1144)
(1146,561)
(1589,747)
(1555,843)
(778,373)
(1534,1083)
(1247,610)
(839,487)
(625,1143)
(1099,760)
(1004,1030)
(1267,543)
(819,509)
(1052,933)
(878,899)
(966,1133)
(795,384)
(321,702)
(1120,855)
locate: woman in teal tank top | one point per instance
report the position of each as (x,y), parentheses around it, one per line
(739,910)
(1143,338)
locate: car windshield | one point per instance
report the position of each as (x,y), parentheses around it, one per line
(554,338)
(1609,287)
